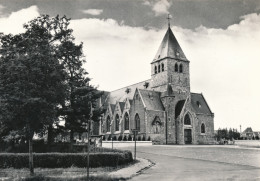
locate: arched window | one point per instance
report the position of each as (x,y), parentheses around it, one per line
(181,68)
(137,122)
(187,120)
(108,124)
(162,67)
(156,125)
(117,122)
(202,128)
(155,69)
(176,67)
(126,121)
(159,68)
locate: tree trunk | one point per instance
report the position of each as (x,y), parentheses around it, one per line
(50,134)
(71,136)
(71,140)
(31,152)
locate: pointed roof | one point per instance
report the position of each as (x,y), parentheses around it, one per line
(200,104)
(122,105)
(151,99)
(248,130)
(113,106)
(169,48)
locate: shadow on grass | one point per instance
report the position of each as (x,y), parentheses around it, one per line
(92,178)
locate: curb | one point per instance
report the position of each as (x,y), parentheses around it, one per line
(133,170)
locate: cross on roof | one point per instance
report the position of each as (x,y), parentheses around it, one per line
(168,18)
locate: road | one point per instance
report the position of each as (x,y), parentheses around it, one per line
(199,163)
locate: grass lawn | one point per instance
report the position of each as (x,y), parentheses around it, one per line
(57,174)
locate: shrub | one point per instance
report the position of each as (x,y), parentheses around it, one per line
(109,138)
(120,138)
(65,160)
(143,139)
(139,138)
(114,138)
(129,138)
(125,138)
(149,138)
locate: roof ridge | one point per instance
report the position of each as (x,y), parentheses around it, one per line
(129,85)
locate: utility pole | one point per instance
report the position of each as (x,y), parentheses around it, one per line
(112,140)
(89,120)
(135,131)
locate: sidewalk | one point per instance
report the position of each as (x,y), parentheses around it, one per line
(133,170)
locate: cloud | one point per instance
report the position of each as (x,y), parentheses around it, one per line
(93,12)
(146,2)
(14,22)
(1,9)
(224,63)
(160,7)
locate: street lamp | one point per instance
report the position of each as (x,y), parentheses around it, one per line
(135,131)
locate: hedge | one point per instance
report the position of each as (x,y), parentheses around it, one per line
(65,160)
(49,148)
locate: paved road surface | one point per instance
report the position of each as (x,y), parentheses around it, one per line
(199,163)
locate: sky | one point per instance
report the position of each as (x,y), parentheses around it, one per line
(220,38)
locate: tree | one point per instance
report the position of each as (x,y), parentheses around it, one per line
(32,79)
(75,111)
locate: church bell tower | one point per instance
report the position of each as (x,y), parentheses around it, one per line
(170,67)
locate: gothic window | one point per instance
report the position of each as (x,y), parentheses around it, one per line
(156,124)
(176,67)
(202,128)
(117,122)
(162,67)
(137,122)
(181,68)
(159,68)
(187,120)
(108,124)
(155,69)
(126,121)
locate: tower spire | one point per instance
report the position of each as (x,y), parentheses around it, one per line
(168,18)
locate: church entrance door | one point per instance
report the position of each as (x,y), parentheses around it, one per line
(187,136)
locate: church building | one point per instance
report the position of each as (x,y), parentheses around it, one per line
(162,108)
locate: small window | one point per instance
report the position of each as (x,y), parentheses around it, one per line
(159,68)
(198,104)
(181,68)
(202,128)
(155,69)
(162,67)
(176,67)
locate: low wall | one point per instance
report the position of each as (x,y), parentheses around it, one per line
(248,143)
(119,144)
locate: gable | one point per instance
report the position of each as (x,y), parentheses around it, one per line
(199,104)
(151,99)
(248,130)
